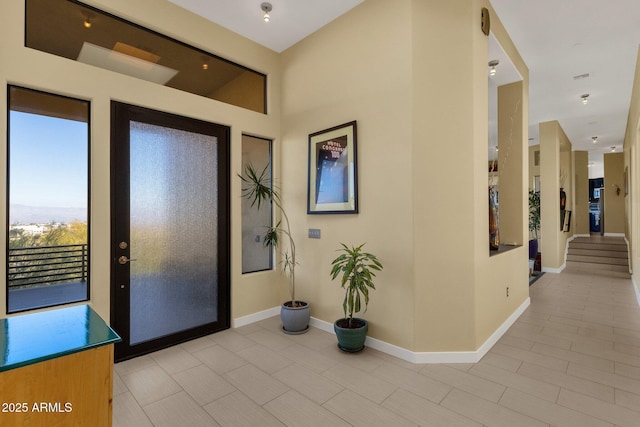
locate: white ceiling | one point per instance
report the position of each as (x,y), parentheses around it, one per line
(291,20)
(562,39)
(557,39)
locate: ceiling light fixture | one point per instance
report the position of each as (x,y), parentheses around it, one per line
(266,8)
(585,98)
(613,148)
(492,67)
(594,139)
(87,21)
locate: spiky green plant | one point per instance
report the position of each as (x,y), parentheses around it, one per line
(258,188)
(356,268)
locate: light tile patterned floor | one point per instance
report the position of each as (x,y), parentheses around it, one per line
(572,359)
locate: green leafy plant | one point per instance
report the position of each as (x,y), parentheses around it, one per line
(357,270)
(258,188)
(534,213)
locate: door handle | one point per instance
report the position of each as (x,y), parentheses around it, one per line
(123,260)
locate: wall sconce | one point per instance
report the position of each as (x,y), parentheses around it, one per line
(485,21)
(492,67)
(266,8)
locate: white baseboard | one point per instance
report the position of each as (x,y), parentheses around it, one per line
(407,355)
(629,255)
(581,235)
(566,253)
(256,317)
(554,270)
(614,234)
(635,288)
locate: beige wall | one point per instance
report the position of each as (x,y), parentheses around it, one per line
(614,203)
(510,269)
(367,79)
(34,69)
(555,158)
(422,169)
(580,219)
(511,178)
(632,161)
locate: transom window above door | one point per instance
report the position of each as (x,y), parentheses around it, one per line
(83,33)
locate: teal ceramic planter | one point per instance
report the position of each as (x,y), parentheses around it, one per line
(351,339)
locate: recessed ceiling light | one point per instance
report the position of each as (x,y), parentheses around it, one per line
(594,139)
(613,148)
(585,98)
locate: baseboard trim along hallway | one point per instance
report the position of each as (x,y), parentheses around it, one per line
(403,353)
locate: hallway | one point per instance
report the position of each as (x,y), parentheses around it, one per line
(572,359)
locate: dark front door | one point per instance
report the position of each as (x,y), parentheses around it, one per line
(170,229)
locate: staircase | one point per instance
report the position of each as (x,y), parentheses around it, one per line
(599,252)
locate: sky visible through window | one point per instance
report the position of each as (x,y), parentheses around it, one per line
(48,168)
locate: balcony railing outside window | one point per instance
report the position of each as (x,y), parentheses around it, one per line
(48,169)
(47,265)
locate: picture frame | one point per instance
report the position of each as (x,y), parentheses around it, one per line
(566,226)
(332,171)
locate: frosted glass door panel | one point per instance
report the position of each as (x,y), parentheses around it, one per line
(173,231)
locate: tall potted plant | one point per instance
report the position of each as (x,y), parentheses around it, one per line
(534,222)
(357,269)
(258,188)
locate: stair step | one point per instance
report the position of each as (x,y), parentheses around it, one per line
(598,246)
(601,267)
(598,253)
(601,239)
(598,260)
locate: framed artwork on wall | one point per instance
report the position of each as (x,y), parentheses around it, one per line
(566,221)
(332,171)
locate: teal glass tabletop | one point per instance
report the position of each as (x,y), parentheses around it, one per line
(36,337)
